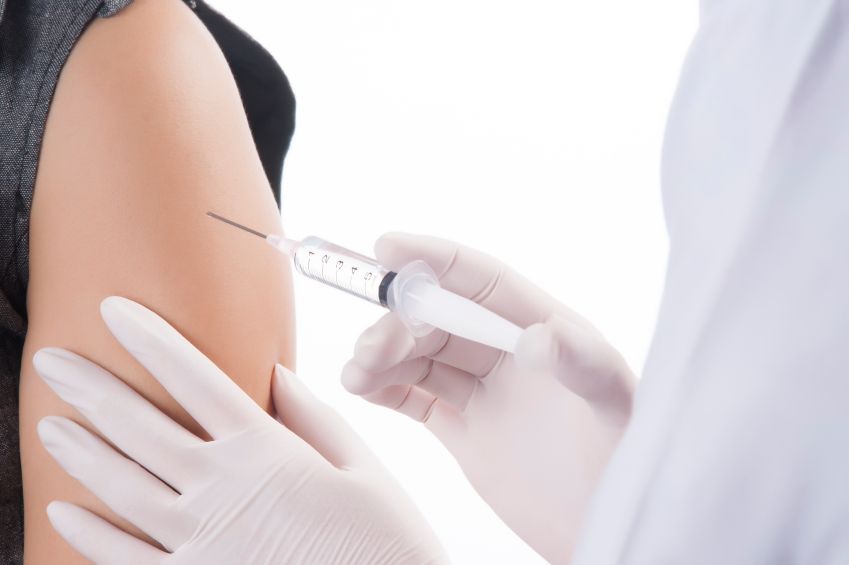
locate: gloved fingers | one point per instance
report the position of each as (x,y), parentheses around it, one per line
(445,382)
(582,361)
(132,423)
(470,273)
(99,541)
(468,356)
(315,422)
(122,484)
(206,392)
(406,399)
(388,342)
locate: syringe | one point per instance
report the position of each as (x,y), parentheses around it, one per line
(413,293)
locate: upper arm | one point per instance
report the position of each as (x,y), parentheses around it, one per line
(145,135)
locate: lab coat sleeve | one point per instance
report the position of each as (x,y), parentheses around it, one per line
(738,450)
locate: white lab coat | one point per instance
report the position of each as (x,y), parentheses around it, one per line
(738,451)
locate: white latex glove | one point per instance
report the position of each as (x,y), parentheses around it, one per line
(306,491)
(532,432)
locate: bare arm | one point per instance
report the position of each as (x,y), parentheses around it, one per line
(146,133)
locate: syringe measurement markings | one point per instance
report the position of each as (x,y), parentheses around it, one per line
(309,262)
(349,275)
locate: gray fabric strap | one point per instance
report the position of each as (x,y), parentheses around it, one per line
(111,7)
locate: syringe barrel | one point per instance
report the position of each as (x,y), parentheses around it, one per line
(344,269)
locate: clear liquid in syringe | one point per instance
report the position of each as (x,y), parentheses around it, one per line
(343,269)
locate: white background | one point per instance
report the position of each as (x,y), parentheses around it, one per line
(530,129)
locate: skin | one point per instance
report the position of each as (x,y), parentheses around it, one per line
(146,133)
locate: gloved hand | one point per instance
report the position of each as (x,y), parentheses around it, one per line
(532,431)
(261,492)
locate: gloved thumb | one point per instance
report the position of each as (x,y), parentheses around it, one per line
(315,422)
(580,360)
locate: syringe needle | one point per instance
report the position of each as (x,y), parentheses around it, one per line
(234,224)
(279,242)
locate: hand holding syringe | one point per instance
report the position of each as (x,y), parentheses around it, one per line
(413,293)
(532,431)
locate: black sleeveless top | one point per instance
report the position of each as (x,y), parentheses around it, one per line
(36,37)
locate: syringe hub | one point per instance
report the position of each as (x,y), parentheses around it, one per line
(283,244)
(401,297)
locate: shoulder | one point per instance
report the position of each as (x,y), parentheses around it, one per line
(147,109)
(146,133)
(151,60)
